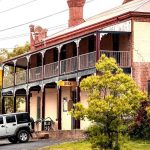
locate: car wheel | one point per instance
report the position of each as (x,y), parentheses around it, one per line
(23,136)
(13,140)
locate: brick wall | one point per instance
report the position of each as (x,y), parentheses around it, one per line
(83,46)
(49,56)
(124,44)
(33,61)
(141,74)
(67,134)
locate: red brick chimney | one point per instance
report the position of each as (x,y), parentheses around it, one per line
(126,1)
(37,34)
(75,12)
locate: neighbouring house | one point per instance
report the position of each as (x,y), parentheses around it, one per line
(48,76)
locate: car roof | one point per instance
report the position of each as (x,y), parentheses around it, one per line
(13,113)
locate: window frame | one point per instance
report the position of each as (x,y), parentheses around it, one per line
(11,116)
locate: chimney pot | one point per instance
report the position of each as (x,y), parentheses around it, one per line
(75,12)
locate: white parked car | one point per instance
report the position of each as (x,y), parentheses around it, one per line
(16,127)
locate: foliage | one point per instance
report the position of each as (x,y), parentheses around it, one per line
(113,99)
(4,55)
(18,50)
(9,103)
(141,127)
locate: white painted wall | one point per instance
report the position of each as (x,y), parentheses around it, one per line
(33,105)
(83,99)
(141,42)
(51,103)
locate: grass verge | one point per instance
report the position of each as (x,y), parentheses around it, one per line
(85,145)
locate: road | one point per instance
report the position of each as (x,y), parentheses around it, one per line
(31,145)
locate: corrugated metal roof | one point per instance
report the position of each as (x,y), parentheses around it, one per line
(135,5)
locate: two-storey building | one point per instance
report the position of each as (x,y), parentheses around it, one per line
(49,75)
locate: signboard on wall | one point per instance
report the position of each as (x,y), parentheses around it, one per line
(67,83)
(120,27)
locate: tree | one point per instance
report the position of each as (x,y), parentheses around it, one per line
(141,126)
(18,50)
(113,99)
(4,55)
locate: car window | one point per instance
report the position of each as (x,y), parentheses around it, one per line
(10,119)
(1,120)
(23,118)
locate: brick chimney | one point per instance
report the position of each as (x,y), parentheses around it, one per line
(32,42)
(75,12)
(37,34)
(126,1)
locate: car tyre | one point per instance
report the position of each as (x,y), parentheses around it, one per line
(23,136)
(13,140)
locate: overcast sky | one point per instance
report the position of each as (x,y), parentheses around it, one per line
(28,10)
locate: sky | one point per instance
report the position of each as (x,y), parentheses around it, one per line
(17,15)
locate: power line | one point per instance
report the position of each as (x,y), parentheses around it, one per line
(27,34)
(33,20)
(9,9)
(62,11)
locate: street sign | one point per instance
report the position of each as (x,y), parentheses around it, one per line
(67,83)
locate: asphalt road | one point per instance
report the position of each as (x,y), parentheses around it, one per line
(31,145)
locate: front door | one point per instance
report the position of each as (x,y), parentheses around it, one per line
(2,126)
(11,124)
(75,123)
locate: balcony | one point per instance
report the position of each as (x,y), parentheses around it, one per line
(68,65)
(35,73)
(8,81)
(123,58)
(21,77)
(51,70)
(86,61)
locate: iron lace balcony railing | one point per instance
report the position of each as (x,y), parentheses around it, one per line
(51,69)
(8,81)
(20,77)
(87,60)
(68,65)
(35,73)
(123,58)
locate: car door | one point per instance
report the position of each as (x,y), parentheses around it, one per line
(2,127)
(11,124)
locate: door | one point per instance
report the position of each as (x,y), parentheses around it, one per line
(11,124)
(75,123)
(2,127)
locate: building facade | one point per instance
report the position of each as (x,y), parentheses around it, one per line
(49,75)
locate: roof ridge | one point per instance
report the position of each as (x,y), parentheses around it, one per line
(138,2)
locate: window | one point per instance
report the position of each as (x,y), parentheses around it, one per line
(10,119)
(23,118)
(1,120)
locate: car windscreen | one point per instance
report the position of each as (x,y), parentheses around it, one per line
(23,118)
